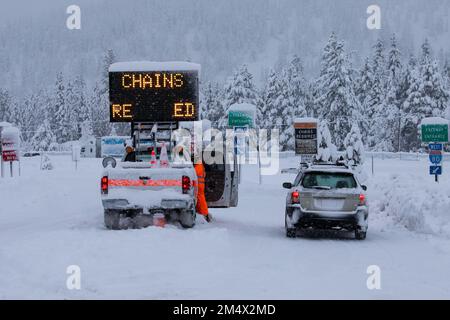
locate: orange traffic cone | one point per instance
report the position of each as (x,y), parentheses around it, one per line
(153,161)
(163,158)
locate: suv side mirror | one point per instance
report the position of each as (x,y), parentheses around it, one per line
(287,185)
(364,187)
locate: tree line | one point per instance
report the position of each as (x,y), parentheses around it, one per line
(386,97)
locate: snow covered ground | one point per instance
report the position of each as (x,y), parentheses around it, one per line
(52,219)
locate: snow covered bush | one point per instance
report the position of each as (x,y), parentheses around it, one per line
(43,139)
(327,150)
(354,148)
(46,163)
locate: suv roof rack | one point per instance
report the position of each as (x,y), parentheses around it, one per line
(339,163)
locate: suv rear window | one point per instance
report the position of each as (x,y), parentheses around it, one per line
(332,180)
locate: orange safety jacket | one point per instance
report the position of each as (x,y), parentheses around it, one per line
(202,206)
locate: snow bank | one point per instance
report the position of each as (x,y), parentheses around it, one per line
(154,66)
(414,202)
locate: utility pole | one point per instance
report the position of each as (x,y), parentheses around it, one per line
(399,132)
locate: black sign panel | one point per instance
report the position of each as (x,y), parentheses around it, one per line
(306,141)
(153,96)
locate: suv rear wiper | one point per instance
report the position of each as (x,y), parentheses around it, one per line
(322,187)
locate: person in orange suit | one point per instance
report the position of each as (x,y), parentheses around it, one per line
(202,206)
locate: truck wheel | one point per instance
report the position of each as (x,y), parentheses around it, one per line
(187,218)
(112,219)
(360,235)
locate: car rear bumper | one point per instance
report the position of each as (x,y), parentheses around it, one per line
(165,204)
(297,217)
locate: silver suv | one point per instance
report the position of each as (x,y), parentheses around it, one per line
(326,197)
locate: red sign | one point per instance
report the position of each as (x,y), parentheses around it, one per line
(10,155)
(436,152)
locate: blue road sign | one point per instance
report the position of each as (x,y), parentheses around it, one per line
(436,146)
(436,170)
(435,158)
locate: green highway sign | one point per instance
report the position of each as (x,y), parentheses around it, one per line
(434,132)
(240,119)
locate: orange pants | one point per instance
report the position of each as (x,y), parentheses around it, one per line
(202,206)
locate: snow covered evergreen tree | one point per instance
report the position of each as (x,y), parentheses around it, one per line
(336,98)
(240,89)
(66,116)
(363,87)
(375,97)
(100,112)
(43,139)
(327,151)
(270,96)
(426,97)
(46,163)
(390,114)
(5,105)
(354,148)
(211,105)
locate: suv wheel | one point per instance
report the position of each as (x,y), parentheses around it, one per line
(291,233)
(360,235)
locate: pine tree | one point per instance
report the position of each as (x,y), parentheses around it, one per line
(211,106)
(240,89)
(66,116)
(354,147)
(427,97)
(363,87)
(373,104)
(270,95)
(43,139)
(336,98)
(108,59)
(80,105)
(5,105)
(327,150)
(388,126)
(100,112)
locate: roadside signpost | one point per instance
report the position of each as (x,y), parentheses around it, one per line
(10,148)
(242,118)
(436,170)
(306,138)
(435,132)
(435,157)
(436,146)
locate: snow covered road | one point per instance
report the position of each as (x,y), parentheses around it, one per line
(52,219)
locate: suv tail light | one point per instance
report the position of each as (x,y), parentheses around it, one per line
(362,199)
(104,185)
(295,197)
(185,184)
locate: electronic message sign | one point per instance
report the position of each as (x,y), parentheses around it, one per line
(154,96)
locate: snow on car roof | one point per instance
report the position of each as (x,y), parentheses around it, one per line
(328,168)
(154,66)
